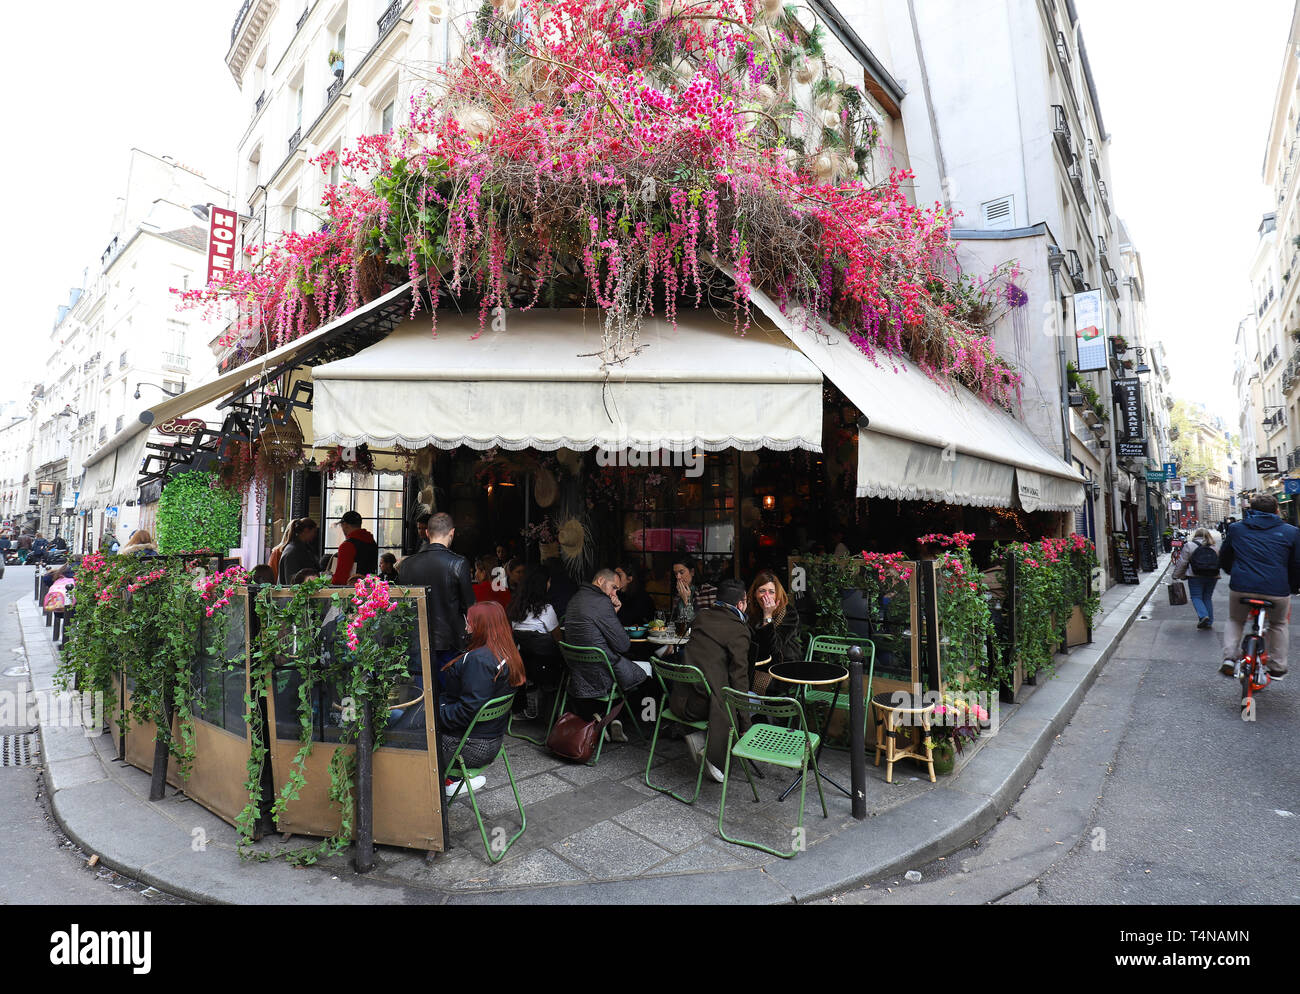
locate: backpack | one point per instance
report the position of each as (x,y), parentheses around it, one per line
(1204,561)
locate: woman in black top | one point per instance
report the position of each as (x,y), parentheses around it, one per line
(775,627)
(488,669)
(300,553)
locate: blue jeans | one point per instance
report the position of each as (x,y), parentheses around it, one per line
(1201,591)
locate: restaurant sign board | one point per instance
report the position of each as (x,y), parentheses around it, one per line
(1128,394)
(1266,464)
(182,426)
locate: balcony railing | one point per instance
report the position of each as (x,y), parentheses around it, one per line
(103,434)
(1074,266)
(257,107)
(108,370)
(389,17)
(176,362)
(295,138)
(333,91)
(1075,172)
(1062,49)
(239,19)
(118,424)
(1092,158)
(1270,358)
(121,362)
(1104,194)
(1061,132)
(301,19)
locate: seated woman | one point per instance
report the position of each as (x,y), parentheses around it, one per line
(537,631)
(775,627)
(488,669)
(388,567)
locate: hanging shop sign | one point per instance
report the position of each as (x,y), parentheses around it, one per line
(1156,476)
(181,426)
(1175,505)
(222,233)
(1265,464)
(1171,471)
(1128,395)
(46,488)
(1132,450)
(1090,330)
(1291,486)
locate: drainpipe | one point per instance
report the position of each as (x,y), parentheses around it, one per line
(1055,259)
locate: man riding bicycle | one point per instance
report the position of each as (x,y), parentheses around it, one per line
(1262,556)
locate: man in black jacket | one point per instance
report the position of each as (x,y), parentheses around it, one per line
(451,592)
(719,648)
(592,620)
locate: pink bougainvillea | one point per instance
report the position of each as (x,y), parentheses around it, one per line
(590,152)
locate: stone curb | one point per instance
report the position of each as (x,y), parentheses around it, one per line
(140,840)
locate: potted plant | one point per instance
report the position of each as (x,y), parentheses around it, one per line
(336,62)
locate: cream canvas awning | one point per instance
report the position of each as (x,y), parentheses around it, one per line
(929,441)
(539,384)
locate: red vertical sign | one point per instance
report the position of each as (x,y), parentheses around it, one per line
(222,231)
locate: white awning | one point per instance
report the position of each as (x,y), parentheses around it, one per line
(929,441)
(539,384)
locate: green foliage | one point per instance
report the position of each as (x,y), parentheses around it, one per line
(965,623)
(194,513)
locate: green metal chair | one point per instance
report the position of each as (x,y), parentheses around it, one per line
(491,711)
(668,672)
(590,654)
(793,748)
(555,713)
(835,649)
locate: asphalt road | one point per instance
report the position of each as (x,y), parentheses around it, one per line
(1157,792)
(38,865)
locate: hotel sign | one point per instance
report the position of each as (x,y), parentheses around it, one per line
(222,235)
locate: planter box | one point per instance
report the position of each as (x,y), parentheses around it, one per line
(1076,631)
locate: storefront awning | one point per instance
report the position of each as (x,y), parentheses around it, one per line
(112,474)
(929,441)
(539,384)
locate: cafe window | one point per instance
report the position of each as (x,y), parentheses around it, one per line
(683,510)
(380,500)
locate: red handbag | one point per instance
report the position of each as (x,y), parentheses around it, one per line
(575,738)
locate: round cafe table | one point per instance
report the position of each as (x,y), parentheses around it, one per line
(802,675)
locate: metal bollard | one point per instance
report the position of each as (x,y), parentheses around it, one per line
(364,859)
(857,734)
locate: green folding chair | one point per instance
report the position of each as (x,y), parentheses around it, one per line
(490,711)
(555,713)
(669,673)
(835,649)
(591,654)
(793,748)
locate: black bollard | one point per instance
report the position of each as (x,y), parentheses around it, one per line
(161,753)
(364,859)
(857,734)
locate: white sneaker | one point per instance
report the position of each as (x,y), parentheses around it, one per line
(616,733)
(475,782)
(695,744)
(713,772)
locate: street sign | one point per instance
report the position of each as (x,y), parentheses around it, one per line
(1171,471)
(1155,476)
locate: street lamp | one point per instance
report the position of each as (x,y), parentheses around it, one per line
(169,393)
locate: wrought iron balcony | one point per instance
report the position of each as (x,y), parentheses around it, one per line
(118,424)
(306,10)
(1061,132)
(1092,158)
(1075,172)
(1104,194)
(1074,266)
(175,362)
(333,91)
(389,17)
(103,434)
(257,107)
(1063,50)
(295,138)
(108,370)
(121,362)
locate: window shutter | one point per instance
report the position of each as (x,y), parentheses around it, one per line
(999,213)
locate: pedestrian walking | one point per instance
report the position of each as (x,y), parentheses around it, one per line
(1198,564)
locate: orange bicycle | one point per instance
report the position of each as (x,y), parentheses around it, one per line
(1252,667)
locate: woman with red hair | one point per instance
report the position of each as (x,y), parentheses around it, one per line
(488,669)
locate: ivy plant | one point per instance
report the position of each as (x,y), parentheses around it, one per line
(196,512)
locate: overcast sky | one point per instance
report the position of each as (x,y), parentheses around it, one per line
(1185,90)
(98,78)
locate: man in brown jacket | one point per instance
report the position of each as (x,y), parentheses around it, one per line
(719,648)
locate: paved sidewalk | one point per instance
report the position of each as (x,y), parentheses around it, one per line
(595,835)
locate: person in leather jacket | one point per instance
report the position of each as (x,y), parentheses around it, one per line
(451,592)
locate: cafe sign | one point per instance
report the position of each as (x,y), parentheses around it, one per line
(1128,394)
(184,427)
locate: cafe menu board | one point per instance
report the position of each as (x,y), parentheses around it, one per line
(1128,570)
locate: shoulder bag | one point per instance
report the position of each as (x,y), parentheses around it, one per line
(574,738)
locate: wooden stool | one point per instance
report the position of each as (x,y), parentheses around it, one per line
(888,719)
